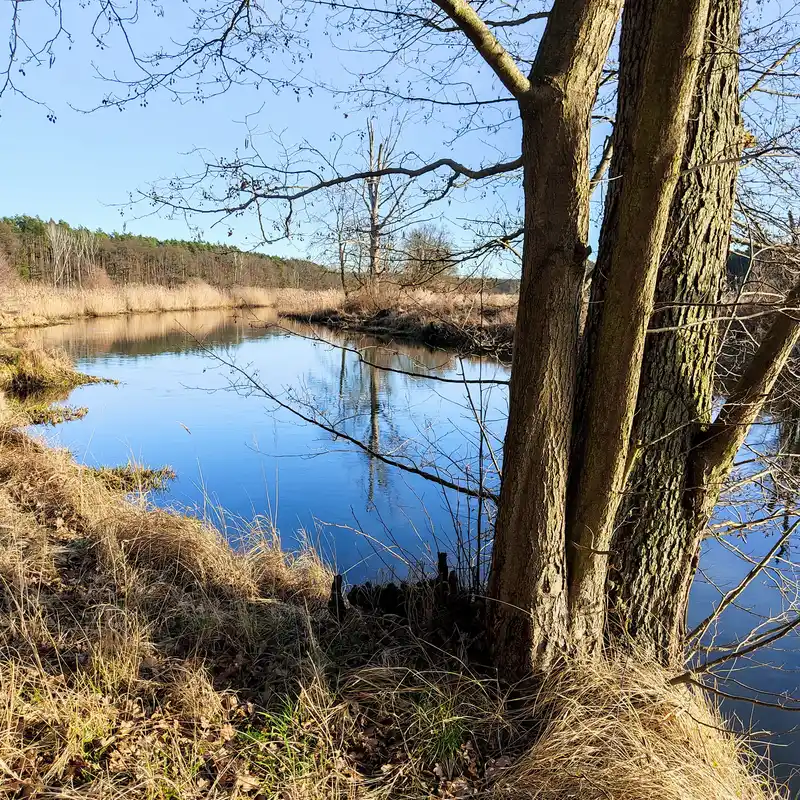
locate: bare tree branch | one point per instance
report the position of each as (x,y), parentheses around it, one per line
(733,594)
(495,55)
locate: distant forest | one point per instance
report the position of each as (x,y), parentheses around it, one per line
(62,255)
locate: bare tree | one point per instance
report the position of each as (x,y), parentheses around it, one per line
(426,253)
(66,268)
(336,236)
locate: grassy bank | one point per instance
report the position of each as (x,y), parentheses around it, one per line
(143,657)
(26,305)
(34,381)
(468,323)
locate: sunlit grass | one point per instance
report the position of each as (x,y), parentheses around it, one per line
(26,304)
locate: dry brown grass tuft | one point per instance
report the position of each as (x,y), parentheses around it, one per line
(135,478)
(27,370)
(24,553)
(183,549)
(619,729)
(191,693)
(288,576)
(63,494)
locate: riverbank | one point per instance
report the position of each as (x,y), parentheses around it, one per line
(467,323)
(34,381)
(24,305)
(141,656)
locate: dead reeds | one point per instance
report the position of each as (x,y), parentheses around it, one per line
(25,304)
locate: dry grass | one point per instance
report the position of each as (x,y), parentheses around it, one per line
(452,319)
(25,371)
(50,484)
(460,308)
(26,304)
(142,657)
(620,730)
(133,477)
(268,565)
(466,322)
(32,380)
(301,302)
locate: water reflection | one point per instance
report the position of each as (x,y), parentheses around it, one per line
(150,334)
(250,457)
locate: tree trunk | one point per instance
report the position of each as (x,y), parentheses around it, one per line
(661,46)
(342,267)
(376,162)
(527,581)
(656,538)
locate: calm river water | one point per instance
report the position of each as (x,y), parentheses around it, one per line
(238,454)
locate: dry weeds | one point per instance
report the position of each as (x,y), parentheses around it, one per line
(142,657)
(33,380)
(466,321)
(26,304)
(619,729)
(25,371)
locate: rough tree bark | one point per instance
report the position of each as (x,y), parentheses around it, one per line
(528,581)
(656,533)
(659,54)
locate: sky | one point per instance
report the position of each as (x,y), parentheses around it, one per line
(83,167)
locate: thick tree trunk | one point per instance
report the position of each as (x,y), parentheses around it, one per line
(656,537)
(527,581)
(659,54)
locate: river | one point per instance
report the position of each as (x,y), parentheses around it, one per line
(240,453)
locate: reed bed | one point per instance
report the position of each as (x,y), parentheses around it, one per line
(461,320)
(26,305)
(469,323)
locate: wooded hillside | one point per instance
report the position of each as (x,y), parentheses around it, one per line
(62,255)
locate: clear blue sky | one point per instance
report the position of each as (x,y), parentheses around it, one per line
(83,166)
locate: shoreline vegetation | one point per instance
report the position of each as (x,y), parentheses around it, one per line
(466,322)
(27,305)
(34,381)
(144,656)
